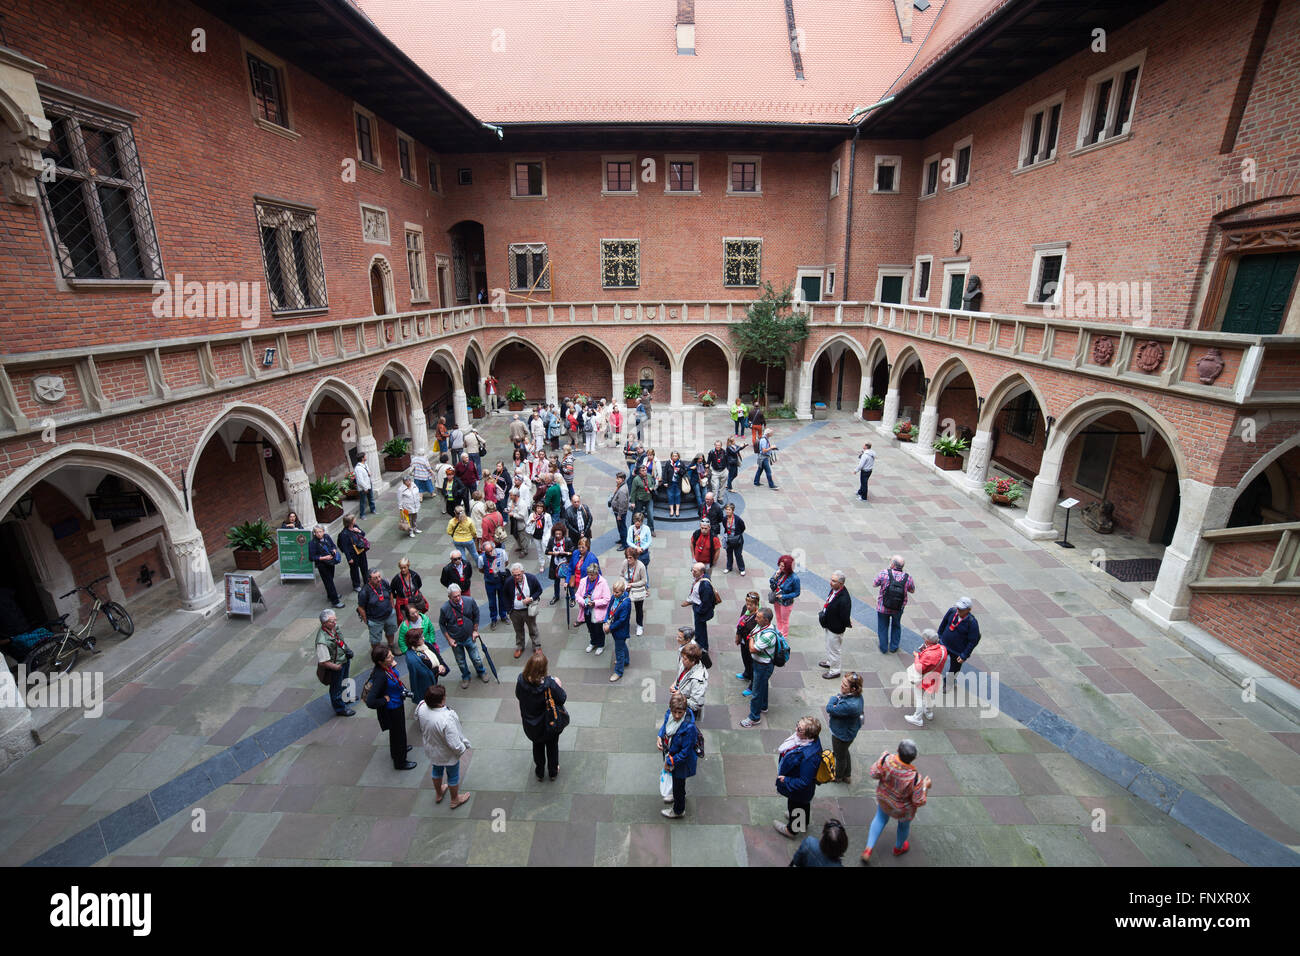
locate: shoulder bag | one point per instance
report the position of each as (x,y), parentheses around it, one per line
(555,717)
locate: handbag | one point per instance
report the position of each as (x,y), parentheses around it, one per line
(500,534)
(735,541)
(419,602)
(324,674)
(403,522)
(556,718)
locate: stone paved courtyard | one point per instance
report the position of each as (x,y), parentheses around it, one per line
(1099,712)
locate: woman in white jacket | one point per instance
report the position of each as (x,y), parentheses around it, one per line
(444,743)
(408,499)
(692,676)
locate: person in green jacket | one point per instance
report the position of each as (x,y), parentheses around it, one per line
(642,496)
(415,621)
(739,411)
(555,497)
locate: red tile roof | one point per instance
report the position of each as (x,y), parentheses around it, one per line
(954,22)
(617,61)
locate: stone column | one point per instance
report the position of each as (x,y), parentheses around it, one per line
(552,388)
(864,389)
(675,398)
(194,573)
(462,409)
(929,429)
(977,462)
(790,395)
(1202,508)
(16,725)
(419,432)
(299,491)
(890,417)
(1037,522)
(803,407)
(617,385)
(733,385)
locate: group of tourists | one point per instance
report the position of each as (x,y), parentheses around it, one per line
(531,507)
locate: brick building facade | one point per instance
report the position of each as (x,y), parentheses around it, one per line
(164,160)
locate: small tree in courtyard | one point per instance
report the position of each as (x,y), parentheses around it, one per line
(770,330)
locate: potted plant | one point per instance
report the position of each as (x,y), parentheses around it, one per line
(905,430)
(397,454)
(254,544)
(782,411)
(476,406)
(873,408)
(631,392)
(759,395)
(708,398)
(947,452)
(1003,491)
(581,398)
(326,493)
(350,490)
(515,398)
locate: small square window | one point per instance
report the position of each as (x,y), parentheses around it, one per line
(529,179)
(886,177)
(745,177)
(291,256)
(617,174)
(464,177)
(528,267)
(1046,274)
(683,175)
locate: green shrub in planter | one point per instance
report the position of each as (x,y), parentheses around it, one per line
(251,536)
(514,393)
(631,392)
(950,447)
(396,447)
(326,493)
(474,402)
(873,403)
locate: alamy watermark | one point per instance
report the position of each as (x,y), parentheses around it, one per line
(1082,299)
(177,298)
(82,691)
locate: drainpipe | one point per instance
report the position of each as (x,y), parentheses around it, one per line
(853,171)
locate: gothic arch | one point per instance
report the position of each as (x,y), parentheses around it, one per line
(547,368)
(733,362)
(951,369)
(345,394)
(263,419)
(577,339)
(673,363)
(906,358)
(1089,409)
(1009,386)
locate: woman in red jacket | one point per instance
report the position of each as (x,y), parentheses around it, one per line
(898,794)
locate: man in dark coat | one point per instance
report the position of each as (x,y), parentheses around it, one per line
(835,616)
(577,521)
(959,632)
(458,621)
(710,509)
(457,571)
(523,590)
(701,603)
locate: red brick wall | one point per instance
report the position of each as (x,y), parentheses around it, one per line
(584,368)
(704,367)
(324,436)
(1240,559)
(226,493)
(957,401)
(1131,475)
(1261,627)
(652,356)
(1024,458)
(519,365)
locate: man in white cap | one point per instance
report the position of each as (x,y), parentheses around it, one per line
(959,632)
(924,675)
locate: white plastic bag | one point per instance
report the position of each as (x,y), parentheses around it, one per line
(665,783)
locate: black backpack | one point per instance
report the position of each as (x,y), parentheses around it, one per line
(891,599)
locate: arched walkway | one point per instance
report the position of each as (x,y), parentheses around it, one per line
(516,361)
(585,365)
(708,364)
(835,375)
(648,361)
(1012,431)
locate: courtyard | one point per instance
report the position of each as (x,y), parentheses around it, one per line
(1110,745)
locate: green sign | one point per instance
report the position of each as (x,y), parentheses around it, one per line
(292,545)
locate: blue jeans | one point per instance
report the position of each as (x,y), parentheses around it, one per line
(336,688)
(474,655)
(468,552)
(477,459)
(742,423)
(878,825)
(498,600)
(764,465)
(366,495)
(674,493)
(452,770)
(621,656)
(621,521)
(758,702)
(863,478)
(889,631)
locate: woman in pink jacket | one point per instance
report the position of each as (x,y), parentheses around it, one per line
(899,793)
(592,599)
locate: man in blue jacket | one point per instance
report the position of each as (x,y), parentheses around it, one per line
(797,776)
(959,632)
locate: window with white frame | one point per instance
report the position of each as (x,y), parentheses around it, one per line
(620,263)
(527,267)
(742,262)
(406,158)
(961,152)
(95,203)
(885,179)
(415,263)
(930,175)
(1046,273)
(683,175)
(954,283)
(618,175)
(291,256)
(830,283)
(268,88)
(835,178)
(367,128)
(744,176)
(1108,101)
(1042,124)
(528,179)
(921,278)
(891,284)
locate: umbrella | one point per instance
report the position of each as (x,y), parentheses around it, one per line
(488,657)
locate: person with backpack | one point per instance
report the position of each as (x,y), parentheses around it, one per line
(845,711)
(745,625)
(767,651)
(797,762)
(589,424)
(835,617)
(555,428)
(900,791)
(827,851)
(702,600)
(676,741)
(474,447)
(541,709)
(895,585)
(335,657)
(385,694)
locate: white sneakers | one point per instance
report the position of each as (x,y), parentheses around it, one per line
(410,534)
(590,648)
(599,651)
(914,720)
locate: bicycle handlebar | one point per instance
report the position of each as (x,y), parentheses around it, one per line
(83,587)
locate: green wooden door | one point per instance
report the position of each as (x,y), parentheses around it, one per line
(1260,293)
(891,289)
(956,286)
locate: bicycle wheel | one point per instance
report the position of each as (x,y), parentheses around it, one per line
(119,619)
(53,655)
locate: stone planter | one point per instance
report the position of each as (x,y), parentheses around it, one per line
(400,463)
(352,495)
(478,412)
(949,462)
(1002,500)
(873,414)
(516,406)
(906,436)
(328,513)
(255,560)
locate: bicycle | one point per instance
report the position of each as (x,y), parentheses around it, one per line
(59,654)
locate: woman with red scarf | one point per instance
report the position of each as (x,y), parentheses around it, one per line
(785,588)
(387,696)
(406,590)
